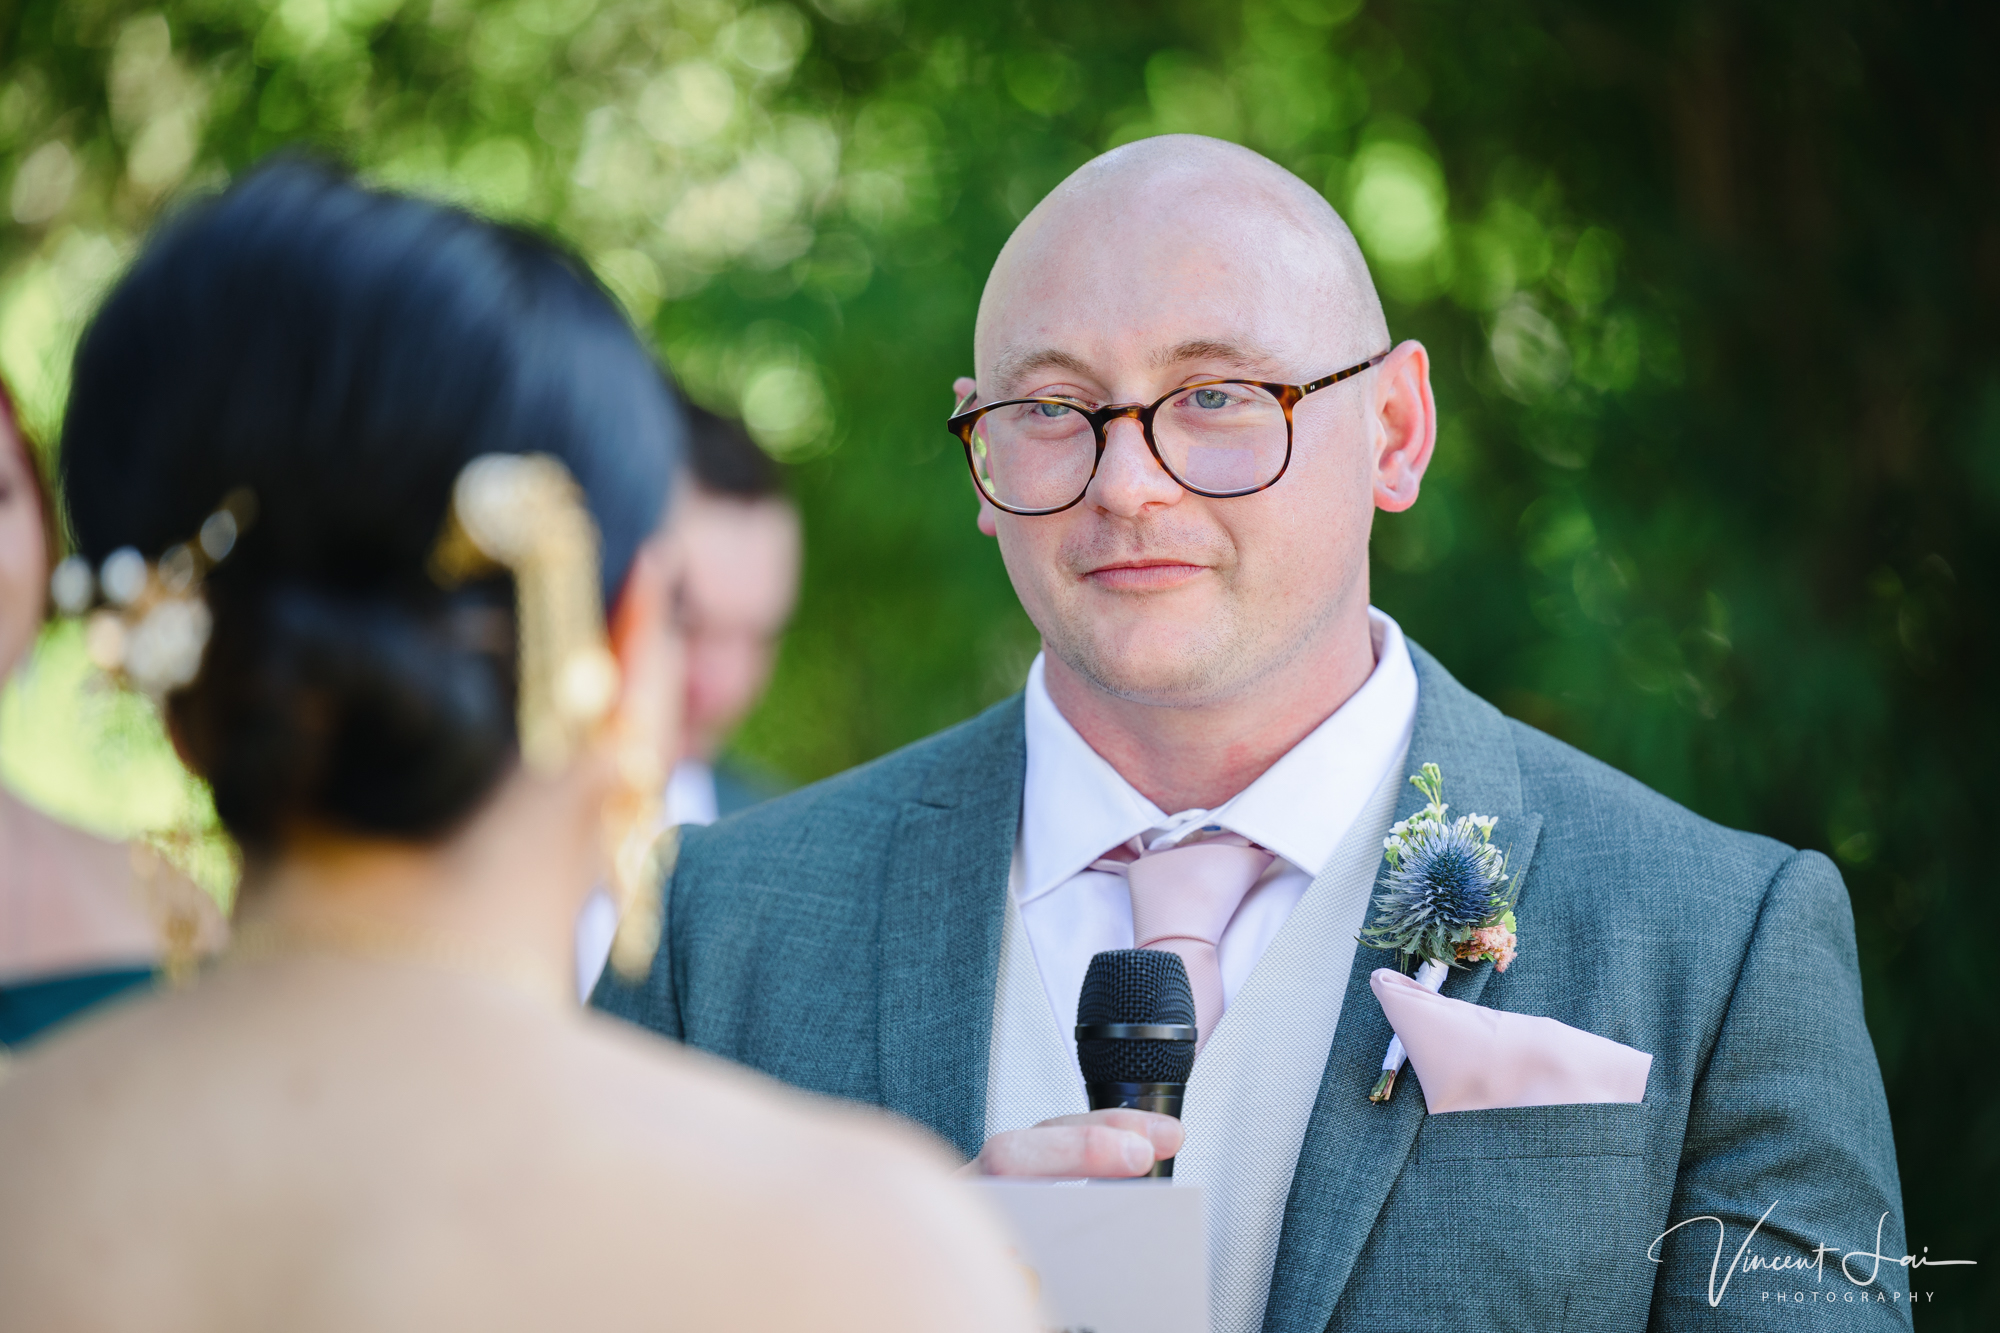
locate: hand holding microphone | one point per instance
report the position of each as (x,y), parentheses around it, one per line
(1135,1034)
(1136,1043)
(1103,1145)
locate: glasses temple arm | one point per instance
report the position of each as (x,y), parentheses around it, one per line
(1339,375)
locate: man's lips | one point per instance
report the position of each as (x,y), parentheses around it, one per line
(1143,575)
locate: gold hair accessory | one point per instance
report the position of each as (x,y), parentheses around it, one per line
(190,923)
(148,622)
(524,514)
(642,857)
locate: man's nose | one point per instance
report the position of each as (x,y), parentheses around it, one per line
(1128,476)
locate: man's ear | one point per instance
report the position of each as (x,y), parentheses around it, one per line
(962,388)
(1405,419)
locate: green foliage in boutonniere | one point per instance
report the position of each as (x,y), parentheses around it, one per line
(1447,897)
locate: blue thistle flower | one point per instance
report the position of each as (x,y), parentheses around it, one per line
(1449,878)
(1445,880)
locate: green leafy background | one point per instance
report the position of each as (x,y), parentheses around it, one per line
(1711,291)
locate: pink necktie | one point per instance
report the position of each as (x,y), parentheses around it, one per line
(1182,900)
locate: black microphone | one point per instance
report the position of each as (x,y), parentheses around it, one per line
(1135,1033)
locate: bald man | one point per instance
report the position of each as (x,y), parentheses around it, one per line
(1186,409)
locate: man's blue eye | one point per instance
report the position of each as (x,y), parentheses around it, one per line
(1052,409)
(1211,398)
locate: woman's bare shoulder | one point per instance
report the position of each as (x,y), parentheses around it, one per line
(813,1205)
(653,1081)
(428,1111)
(259,1063)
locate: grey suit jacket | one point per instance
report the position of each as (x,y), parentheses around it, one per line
(845,939)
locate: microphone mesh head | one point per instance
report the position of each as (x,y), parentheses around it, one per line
(1135,986)
(1134,1060)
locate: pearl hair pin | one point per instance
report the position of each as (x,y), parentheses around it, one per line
(146,623)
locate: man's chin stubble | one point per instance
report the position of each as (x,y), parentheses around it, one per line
(1218,663)
(1202,672)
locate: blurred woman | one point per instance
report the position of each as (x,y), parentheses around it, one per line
(81,919)
(407,431)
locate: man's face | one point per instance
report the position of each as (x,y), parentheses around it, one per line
(1146,591)
(738,584)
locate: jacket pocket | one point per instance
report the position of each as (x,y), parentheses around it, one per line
(1544,1212)
(1609,1129)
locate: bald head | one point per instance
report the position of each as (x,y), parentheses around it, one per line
(1168,273)
(1182,218)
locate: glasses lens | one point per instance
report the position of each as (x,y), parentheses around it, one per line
(1035,455)
(1224,439)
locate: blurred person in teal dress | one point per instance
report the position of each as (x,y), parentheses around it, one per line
(82,919)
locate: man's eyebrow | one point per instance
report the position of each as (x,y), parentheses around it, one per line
(1213,350)
(1014,367)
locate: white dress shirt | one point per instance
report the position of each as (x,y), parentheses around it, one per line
(690,797)
(1075,807)
(1323,809)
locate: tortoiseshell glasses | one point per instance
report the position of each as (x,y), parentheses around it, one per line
(1218,438)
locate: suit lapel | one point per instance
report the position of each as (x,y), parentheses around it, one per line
(943,908)
(1354,1148)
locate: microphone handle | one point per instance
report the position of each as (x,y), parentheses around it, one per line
(1164,1098)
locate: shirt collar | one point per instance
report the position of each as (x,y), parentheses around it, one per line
(1076,806)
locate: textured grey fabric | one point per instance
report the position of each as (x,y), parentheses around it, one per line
(1250,1101)
(1031,1067)
(845,938)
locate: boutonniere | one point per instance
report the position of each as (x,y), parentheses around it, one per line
(1446,900)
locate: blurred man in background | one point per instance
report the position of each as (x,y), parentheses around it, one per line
(740,581)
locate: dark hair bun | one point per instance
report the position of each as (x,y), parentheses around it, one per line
(342,352)
(360,711)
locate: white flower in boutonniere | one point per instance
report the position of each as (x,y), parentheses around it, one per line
(1446,900)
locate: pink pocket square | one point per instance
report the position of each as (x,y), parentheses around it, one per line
(1471,1058)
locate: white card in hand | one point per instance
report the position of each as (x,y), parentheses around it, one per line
(1124,1257)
